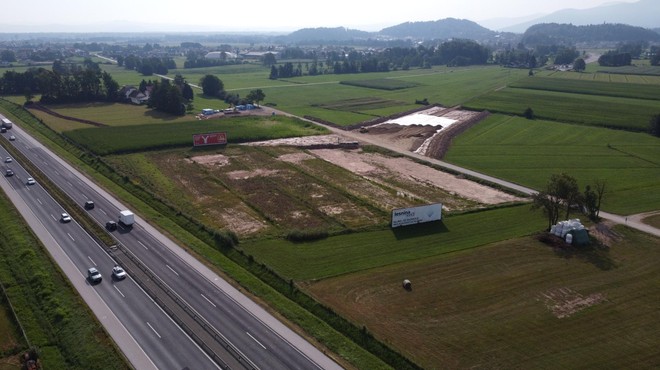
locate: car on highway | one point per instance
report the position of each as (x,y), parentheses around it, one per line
(8,160)
(66,217)
(9,173)
(89,204)
(12,138)
(94,275)
(3,129)
(118,273)
(111,225)
(30,181)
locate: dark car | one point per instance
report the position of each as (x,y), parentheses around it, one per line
(3,129)
(111,225)
(89,204)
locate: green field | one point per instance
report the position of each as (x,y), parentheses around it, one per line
(362,251)
(108,140)
(528,152)
(604,111)
(590,87)
(381,84)
(516,304)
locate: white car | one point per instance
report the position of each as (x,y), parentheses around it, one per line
(66,217)
(8,160)
(12,138)
(94,275)
(118,273)
(30,181)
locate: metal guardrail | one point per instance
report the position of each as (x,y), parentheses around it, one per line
(216,335)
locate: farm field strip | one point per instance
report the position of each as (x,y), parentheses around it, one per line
(527,151)
(344,254)
(628,90)
(624,113)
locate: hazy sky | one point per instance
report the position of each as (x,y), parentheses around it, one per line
(272,15)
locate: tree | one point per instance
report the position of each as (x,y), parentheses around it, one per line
(560,191)
(7,56)
(654,125)
(579,65)
(273,73)
(269,59)
(187,92)
(256,96)
(211,85)
(528,113)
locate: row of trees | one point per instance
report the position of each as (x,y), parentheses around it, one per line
(614,58)
(562,193)
(63,84)
(452,53)
(147,66)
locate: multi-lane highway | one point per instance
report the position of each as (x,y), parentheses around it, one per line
(151,338)
(260,338)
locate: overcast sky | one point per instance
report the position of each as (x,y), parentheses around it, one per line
(272,15)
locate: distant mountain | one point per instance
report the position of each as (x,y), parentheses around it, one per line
(553,33)
(443,29)
(327,34)
(643,13)
(500,24)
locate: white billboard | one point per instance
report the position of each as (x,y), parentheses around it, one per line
(416,215)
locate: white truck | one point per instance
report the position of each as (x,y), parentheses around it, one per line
(126,218)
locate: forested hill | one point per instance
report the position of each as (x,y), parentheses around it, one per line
(554,33)
(441,29)
(327,34)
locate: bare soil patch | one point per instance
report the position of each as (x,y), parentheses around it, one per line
(564,302)
(367,164)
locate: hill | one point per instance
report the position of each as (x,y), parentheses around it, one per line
(553,33)
(642,14)
(441,29)
(327,34)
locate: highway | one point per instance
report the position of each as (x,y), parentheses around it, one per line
(260,338)
(147,336)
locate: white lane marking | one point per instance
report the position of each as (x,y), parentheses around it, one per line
(71,237)
(152,328)
(255,339)
(57,173)
(90,258)
(39,200)
(208,300)
(70,184)
(168,266)
(122,294)
(145,247)
(102,211)
(54,218)
(86,197)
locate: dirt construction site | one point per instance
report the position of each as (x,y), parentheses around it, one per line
(332,181)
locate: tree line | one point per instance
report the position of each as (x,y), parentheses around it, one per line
(63,84)
(147,66)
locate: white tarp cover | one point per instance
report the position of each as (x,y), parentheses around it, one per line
(416,215)
(422,119)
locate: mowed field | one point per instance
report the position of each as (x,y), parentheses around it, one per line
(516,304)
(529,151)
